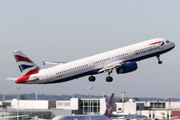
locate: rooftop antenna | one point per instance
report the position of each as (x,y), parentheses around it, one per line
(3,96)
(36,92)
(90,102)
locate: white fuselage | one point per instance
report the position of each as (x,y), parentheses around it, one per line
(91,65)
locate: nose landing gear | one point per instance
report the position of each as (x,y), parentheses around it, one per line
(159,61)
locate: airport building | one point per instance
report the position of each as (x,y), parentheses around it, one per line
(49,109)
(151,109)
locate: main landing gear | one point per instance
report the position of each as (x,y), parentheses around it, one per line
(92,78)
(159,61)
(109,78)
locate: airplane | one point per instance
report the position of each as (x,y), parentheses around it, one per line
(123,60)
(108,115)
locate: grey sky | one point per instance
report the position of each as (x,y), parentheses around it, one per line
(66,30)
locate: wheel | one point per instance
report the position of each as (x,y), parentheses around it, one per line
(92,78)
(159,62)
(109,79)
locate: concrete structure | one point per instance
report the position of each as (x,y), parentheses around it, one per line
(73,104)
(33,108)
(82,106)
(129,107)
(32,104)
(49,109)
(151,109)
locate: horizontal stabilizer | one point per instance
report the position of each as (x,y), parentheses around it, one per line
(53,62)
(12,78)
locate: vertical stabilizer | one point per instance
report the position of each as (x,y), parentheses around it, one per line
(106,100)
(109,107)
(25,65)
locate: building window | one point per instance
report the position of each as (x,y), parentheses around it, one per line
(157,105)
(95,106)
(163,105)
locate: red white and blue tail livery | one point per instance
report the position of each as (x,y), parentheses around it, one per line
(26,66)
(122,60)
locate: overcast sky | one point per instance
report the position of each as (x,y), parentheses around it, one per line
(66,30)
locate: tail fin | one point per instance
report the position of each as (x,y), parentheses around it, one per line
(25,65)
(106,100)
(109,107)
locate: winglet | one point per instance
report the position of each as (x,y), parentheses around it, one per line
(109,107)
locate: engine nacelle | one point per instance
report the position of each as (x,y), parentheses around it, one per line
(132,66)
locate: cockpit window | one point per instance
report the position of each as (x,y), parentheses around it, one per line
(167,41)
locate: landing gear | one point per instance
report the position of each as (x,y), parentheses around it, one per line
(109,78)
(92,78)
(159,61)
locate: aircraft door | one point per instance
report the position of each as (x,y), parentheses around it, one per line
(91,64)
(131,54)
(48,76)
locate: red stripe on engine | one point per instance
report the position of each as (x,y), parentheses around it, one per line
(20,58)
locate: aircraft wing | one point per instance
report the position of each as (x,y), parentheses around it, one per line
(53,62)
(110,67)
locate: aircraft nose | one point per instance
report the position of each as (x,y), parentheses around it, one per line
(172,44)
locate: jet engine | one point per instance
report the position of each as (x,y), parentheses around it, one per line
(132,66)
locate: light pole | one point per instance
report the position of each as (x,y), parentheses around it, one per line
(122,94)
(103,93)
(90,102)
(36,94)
(17,101)
(3,96)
